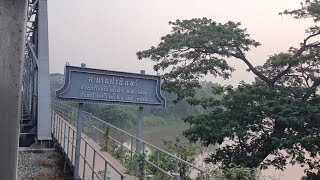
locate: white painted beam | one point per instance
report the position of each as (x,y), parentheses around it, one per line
(44,106)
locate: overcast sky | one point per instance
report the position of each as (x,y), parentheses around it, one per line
(107,34)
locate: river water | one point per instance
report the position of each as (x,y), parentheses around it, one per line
(155,135)
(291,172)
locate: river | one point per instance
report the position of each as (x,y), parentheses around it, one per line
(156,134)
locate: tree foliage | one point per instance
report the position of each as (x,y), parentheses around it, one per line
(278,114)
(180,149)
(235,173)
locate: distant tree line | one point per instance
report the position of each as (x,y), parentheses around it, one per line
(126,116)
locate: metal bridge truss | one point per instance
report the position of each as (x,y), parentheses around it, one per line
(29,84)
(35,121)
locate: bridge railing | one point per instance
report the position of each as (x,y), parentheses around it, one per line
(93,165)
(122,141)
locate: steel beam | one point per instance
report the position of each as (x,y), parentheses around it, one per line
(44,106)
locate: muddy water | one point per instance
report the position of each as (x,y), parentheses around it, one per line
(156,134)
(291,172)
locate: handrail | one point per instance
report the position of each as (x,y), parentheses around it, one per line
(59,133)
(175,158)
(163,151)
(97,152)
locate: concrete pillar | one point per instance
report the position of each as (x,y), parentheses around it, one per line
(44,106)
(13,17)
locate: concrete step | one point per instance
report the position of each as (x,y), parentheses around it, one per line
(28,130)
(30,124)
(25,121)
(25,140)
(26,115)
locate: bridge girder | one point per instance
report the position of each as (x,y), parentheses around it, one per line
(36,82)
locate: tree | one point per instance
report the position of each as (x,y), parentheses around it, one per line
(278,114)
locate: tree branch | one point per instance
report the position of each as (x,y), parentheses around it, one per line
(311,36)
(311,90)
(253,69)
(296,55)
(306,79)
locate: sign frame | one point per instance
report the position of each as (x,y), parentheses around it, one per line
(69,69)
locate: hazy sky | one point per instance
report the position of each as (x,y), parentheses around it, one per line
(107,34)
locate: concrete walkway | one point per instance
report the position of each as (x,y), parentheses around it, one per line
(89,150)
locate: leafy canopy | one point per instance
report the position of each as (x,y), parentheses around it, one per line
(196,48)
(278,114)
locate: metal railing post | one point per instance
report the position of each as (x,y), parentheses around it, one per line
(131,154)
(139,134)
(84,160)
(93,163)
(149,177)
(90,123)
(158,160)
(143,148)
(68,141)
(121,148)
(72,148)
(105,170)
(78,141)
(57,127)
(201,175)
(176,176)
(54,124)
(60,131)
(176,167)
(64,135)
